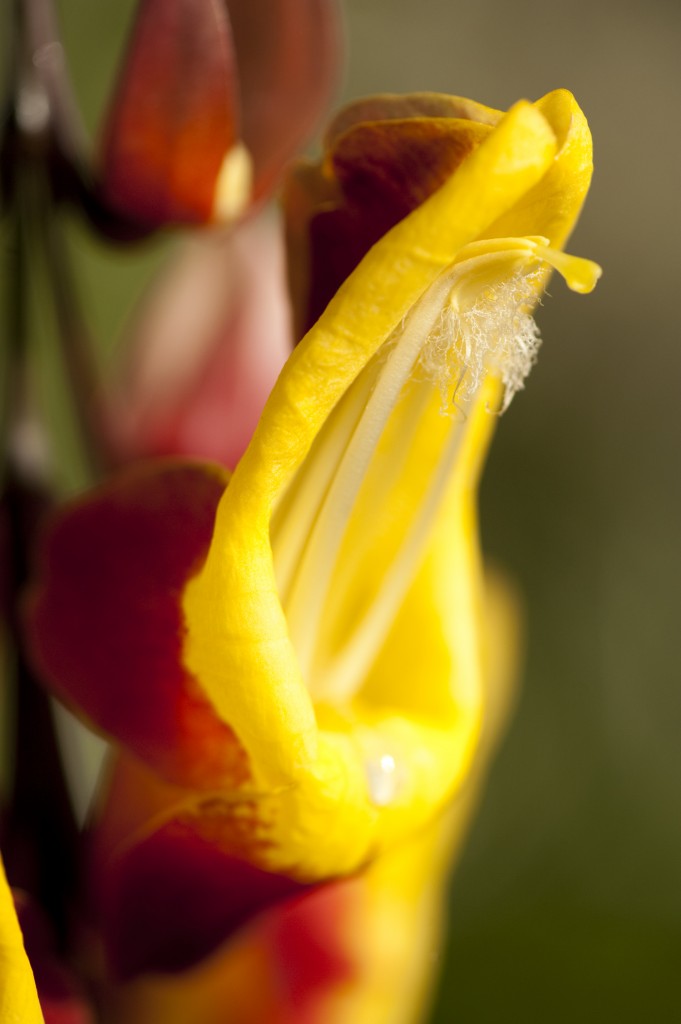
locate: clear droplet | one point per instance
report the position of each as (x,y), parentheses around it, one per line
(382,779)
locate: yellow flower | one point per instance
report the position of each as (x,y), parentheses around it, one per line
(299,656)
(336,622)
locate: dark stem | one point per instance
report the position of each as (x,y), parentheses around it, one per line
(40,837)
(89,400)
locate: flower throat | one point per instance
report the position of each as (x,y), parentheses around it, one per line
(351,530)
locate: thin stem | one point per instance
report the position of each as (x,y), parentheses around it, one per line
(41,144)
(38,25)
(77,352)
(14,340)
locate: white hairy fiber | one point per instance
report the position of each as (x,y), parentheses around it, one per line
(496,334)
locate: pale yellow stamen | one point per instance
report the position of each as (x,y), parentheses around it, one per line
(471,327)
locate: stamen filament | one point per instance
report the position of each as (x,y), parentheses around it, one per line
(339,680)
(291,526)
(313,517)
(308,591)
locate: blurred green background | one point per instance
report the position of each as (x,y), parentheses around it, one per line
(567,903)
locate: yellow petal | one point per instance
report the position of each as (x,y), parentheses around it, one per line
(343,775)
(556,201)
(18,996)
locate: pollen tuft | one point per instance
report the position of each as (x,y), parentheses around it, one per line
(495,334)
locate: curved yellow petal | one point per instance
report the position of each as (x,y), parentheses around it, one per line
(18,996)
(556,201)
(341,775)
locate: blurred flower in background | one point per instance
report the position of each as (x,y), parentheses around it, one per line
(212,102)
(300,667)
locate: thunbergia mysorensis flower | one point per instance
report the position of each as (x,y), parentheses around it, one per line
(214,98)
(295,659)
(301,625)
